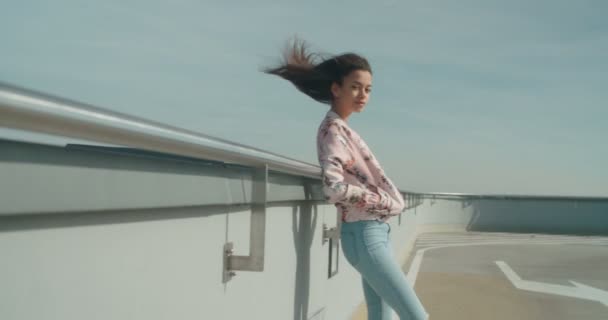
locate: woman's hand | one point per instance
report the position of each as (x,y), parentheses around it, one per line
(373,188)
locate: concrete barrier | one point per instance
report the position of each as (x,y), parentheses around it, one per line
(106,233)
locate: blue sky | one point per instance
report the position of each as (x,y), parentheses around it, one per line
(469,96)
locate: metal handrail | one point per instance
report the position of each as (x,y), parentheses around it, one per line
(26,109)
(448,195)
(38,112)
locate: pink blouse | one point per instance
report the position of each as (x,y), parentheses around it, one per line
(353,179)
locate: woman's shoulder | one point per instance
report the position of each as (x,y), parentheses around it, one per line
(334,126)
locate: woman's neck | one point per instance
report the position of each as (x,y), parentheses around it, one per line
(342,113)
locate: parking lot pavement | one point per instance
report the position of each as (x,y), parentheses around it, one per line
(511,276)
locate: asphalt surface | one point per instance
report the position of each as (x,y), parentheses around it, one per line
(510,276)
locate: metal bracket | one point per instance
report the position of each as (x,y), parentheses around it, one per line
(333,236)
(329,233)
(255,260)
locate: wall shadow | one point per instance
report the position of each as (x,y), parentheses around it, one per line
(90,218)
(115,158)
(303,226)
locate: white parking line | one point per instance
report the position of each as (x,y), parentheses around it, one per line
(412,273)
(580,291)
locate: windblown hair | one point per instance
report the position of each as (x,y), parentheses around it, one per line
(313,74)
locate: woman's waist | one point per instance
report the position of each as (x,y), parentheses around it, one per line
(359,225)
(354,214)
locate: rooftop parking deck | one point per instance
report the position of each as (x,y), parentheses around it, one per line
(511,276)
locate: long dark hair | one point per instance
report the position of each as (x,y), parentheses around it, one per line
(313,74)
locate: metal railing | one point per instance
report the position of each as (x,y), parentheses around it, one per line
(33,111)
(449,195)
(38,112)
(24,109)
(29,110)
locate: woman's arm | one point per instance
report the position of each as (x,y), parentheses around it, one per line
(334,157)
(398,203)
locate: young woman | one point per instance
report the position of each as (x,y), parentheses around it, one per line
(353,179)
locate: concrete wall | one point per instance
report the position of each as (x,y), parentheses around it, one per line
(89,233)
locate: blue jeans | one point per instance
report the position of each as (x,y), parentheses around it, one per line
(367,247)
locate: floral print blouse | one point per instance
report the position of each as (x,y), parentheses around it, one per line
(353,179)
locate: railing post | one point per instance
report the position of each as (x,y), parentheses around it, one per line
(332,235)
(255,260)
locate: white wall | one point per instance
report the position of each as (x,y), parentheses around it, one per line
(147,257)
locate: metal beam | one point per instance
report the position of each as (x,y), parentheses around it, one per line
(257,233)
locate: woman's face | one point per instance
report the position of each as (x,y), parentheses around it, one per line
(354,92)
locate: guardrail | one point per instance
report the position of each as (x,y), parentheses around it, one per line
(34,111)
(448,195)
(39,112)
